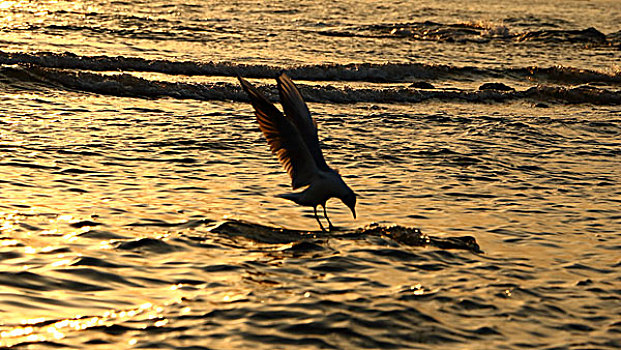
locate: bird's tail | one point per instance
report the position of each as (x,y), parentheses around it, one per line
(295,197)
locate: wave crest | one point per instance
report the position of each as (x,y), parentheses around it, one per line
(127,85)
(369,72)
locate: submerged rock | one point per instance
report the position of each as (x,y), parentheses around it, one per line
(414,237)
(84,223)
(261,233)
(404,235)
(496,86)
(422,85)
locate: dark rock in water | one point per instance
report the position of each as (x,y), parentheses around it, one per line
(404,235)
(496,86)
(414,237)
(409,236)
(586,282)
(421,85)
(260,233)
(304,247)
(461,242)
(84,223)
(591,34)
(541,105)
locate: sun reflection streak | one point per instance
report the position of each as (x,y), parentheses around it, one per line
(63,218)
(9,243)
(33,320)
(9,222)
(51,232)
(29,331)
(5,5)
(417,289)
(17,332)
(161,323)
(64,262)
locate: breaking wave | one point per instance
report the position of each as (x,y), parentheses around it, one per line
(388,83)
(124,84)
(370,72)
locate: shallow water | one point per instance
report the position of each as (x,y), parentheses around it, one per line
(137,204)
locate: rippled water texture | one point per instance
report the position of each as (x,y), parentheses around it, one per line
(137,194)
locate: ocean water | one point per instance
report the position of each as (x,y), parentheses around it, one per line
(137,194)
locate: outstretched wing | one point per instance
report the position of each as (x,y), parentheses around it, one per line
(283,138)
(297,111)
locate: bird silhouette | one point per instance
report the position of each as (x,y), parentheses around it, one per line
(293,138)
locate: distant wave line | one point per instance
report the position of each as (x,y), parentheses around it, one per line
(476,32)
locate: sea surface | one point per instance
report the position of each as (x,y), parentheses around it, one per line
(137,194)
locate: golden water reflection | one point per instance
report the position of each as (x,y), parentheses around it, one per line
(31,332)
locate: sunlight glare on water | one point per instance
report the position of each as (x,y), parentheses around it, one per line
(138,202)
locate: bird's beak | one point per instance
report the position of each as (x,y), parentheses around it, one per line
(353,211)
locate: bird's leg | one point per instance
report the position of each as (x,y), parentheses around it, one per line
(330,226)
(317,218)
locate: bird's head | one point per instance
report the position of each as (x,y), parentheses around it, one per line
(350,201)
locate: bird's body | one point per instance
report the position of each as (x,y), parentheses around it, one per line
(327,185)
(293,139)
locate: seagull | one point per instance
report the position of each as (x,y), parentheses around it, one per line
(292,137)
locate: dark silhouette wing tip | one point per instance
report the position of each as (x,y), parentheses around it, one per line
(283,136)
(297,111)
(244,83)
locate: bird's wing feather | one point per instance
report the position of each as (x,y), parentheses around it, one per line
(283,138)
(297,112)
